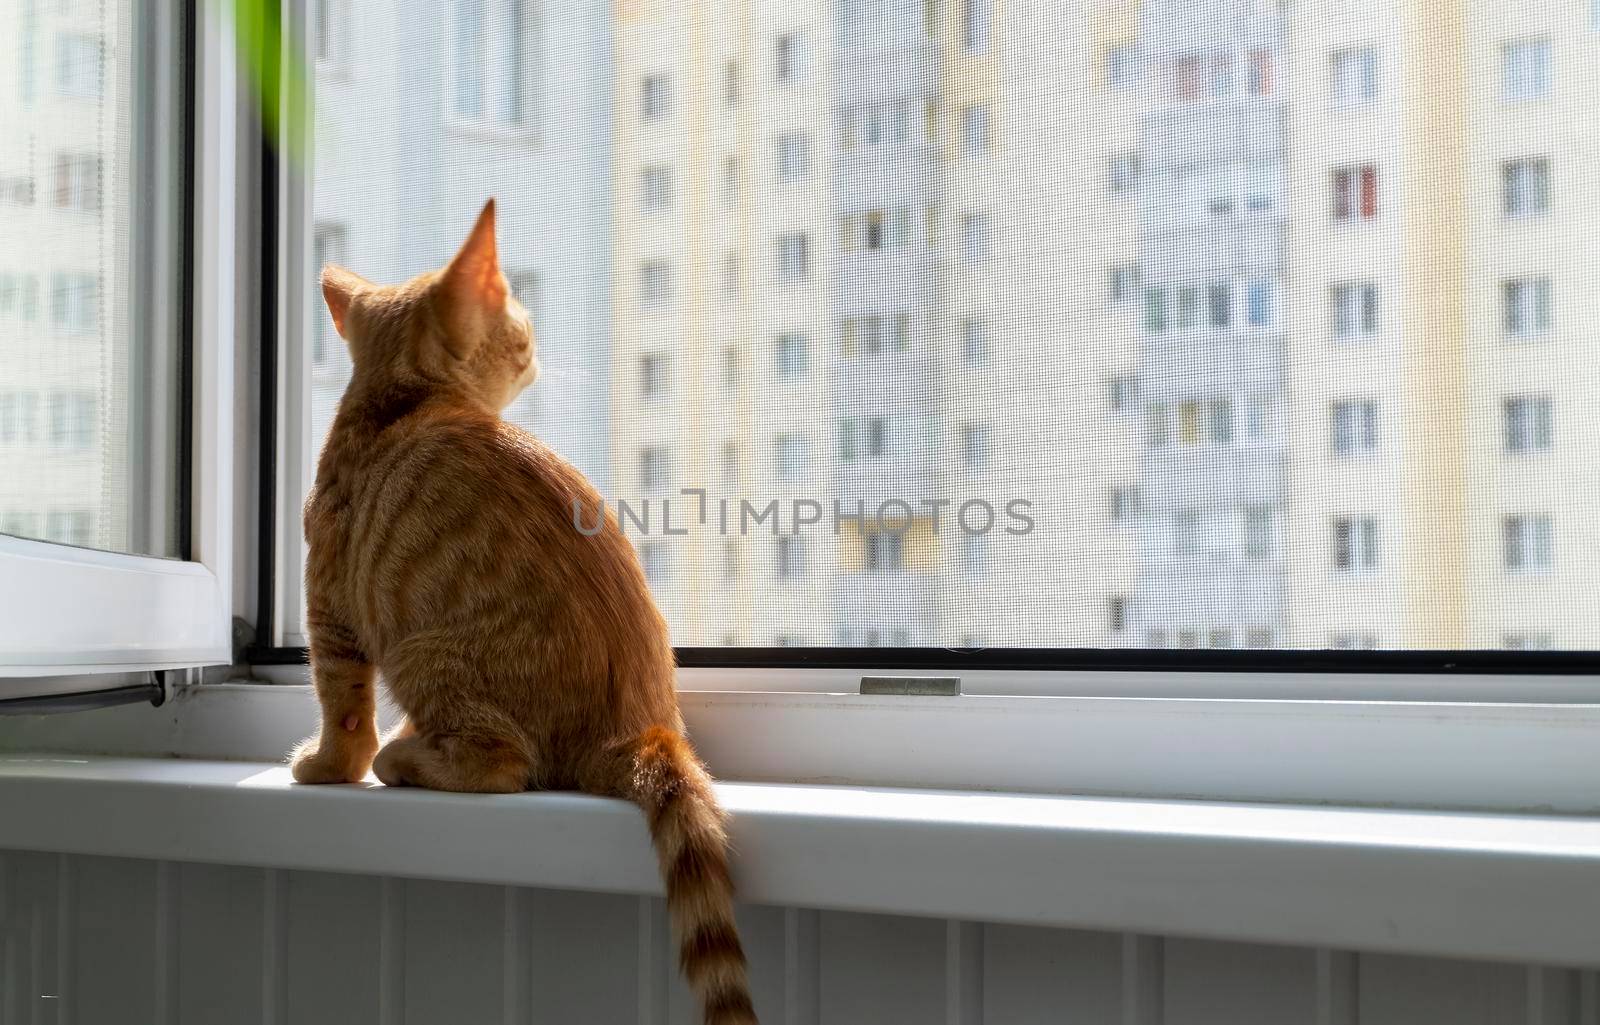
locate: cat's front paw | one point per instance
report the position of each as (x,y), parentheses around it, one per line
(314,763)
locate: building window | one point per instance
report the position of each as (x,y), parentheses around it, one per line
(1525,186)
(525,288)
(655,97)
(1124,282)
(655,188)
(1123,176)
(1263,78)
(1354,427)
(78,65)
(730,180)
(974,25)
(1355,310)
(328,243)
(975,237)
(1219,421)
(1259,540)
(974,342)
(1220,76)
(654,376)
(495,65)
(789,457)
(794,156)
(73,420)
(653,559)
(1219,304)
(975,446)
(1355,77)
(1122,393)
(1124,505)
(974,130)
(74,303)
(1525,69)
(1260,419)
(1528,423)
(1188,308)
(883,551)
(1527,307)
(791,557)
(19,296)
(655,284)
(19,416)
(863,438)
(70,526)
(1528,542)
(788,58)
(1188,79)
(1355,193)
(1155,310)
(1122,66)
(654,468)
(975,555)
(731,371)
(1259,304)
(791,352)
(793,260)
(730,84)
(1355,544)
(77,181)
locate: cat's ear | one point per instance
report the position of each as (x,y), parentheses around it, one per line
(339,289)
(471,289)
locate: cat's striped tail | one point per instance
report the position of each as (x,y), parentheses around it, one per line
(686,825)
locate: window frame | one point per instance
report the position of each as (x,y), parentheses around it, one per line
(91,612)
(797,691)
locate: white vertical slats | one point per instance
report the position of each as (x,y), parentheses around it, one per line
(514,967)
(1143,980)
(61,987)
(109,962)
(1337,982)
(391,951)
(334,950)
(584,955)
(1207,983)
(106,941)
(219,958)
(802,967)
(450,940)
(963,973)
(1038,976)
(274,947)
(882,969)
(652,951)
(165,950)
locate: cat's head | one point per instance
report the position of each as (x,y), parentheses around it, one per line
(459,327)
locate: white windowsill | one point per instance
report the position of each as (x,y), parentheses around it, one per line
(1521,888)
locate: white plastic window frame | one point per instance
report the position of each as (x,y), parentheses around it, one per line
(1493,740)
(72,612)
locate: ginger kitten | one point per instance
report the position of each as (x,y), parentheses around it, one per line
(442,554)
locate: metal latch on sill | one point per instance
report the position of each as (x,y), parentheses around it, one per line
(913,686)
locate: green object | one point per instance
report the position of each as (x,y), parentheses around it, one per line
(276,71)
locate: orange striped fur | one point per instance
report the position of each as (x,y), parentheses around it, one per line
(441,554)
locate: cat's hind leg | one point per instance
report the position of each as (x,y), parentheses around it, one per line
(465,763)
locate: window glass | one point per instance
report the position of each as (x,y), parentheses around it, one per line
(91,275)
(1199,329)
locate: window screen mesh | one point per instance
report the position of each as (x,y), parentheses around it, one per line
(981,323)
(90,316)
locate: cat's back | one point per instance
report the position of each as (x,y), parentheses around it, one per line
(445,509)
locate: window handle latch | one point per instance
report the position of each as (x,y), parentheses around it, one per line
(913,686)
